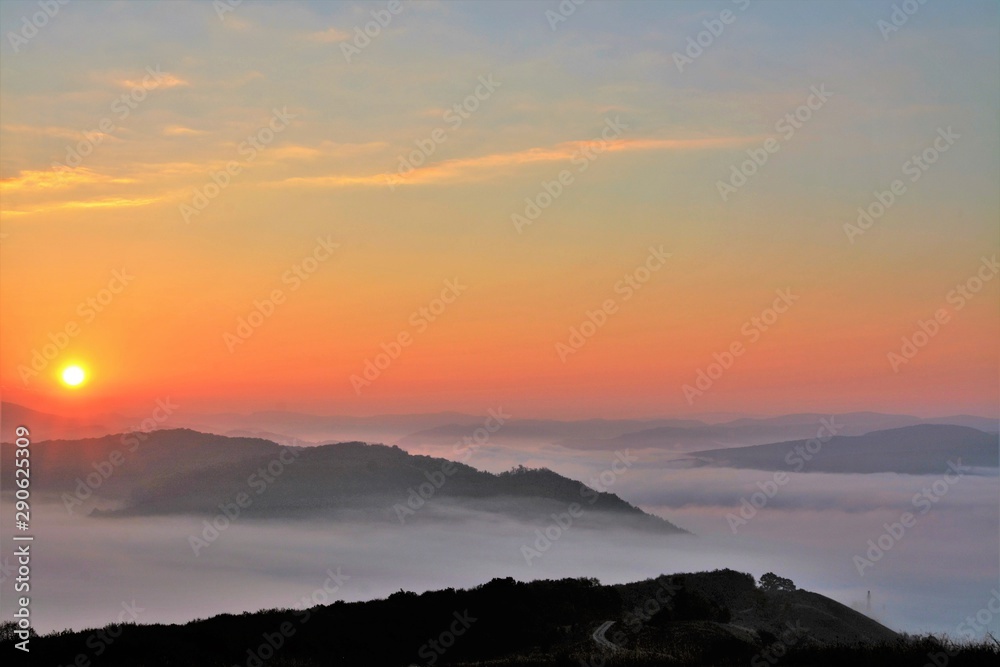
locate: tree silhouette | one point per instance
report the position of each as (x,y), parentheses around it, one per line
(772,582)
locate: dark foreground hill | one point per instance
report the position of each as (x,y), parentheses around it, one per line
(716,618)
(925,449)
(180,471)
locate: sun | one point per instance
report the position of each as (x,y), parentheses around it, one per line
(73,376)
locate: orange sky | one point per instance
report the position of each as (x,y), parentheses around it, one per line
(306,144)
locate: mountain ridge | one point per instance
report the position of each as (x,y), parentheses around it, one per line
(182,471)
(721,617)
(918,449)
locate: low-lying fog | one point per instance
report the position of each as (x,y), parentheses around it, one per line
(941,569)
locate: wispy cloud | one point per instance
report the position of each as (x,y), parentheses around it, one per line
(181,131)
(329,35)
(56,179)
(295,152)
(485,166)
(104,202)
(165,80)
(44,130)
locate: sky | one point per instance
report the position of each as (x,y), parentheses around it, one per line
(605,210)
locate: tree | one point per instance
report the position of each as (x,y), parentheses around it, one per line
(772,582)
(7,630)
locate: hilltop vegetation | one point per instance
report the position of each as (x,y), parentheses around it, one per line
(712,618)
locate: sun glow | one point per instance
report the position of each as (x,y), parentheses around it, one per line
(73,376)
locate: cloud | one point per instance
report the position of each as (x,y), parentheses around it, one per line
(294,152)
(40,185)
(164,80)
(44,130)
(56,179)
(181,131)
(238,24)
(329,35)
(105,202)
(485,166)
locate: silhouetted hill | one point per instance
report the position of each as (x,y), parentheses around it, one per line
(445,428)
(744,432)
(129,461)
(921,449)
(183,471)
(46,426)
(549,429)
(713,618)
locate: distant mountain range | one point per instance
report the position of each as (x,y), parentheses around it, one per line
(182,471)
(717,618)
(916,450)
(445,428)
(685,435)
(46,426)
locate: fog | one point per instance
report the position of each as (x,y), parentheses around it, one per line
(944,567)
(941,570)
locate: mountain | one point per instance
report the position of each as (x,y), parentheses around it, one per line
(548,430)
(916,450)
(46,426)
(758,431)
(183,471)
(118,465)
(710,618)
(304,426)
(282,424)
(446,428)
(982,423)
(279,438)
(683,435)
